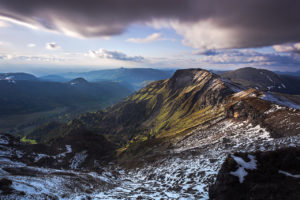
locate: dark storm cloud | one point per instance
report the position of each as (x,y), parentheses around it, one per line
(232,23)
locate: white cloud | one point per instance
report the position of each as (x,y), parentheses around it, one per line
(52,46)
(31,45)
(18,22)
(33,59)
(151,38)
(115,55)
(205,35)
(287,48)
(283,48)
(6,56)
(297,46)
(9,56)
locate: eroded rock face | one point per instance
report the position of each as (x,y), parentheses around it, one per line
(276,176)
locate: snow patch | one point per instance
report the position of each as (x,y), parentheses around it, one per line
(289,174)
(40,156)
(78,159)
(68,150)
(247,165)
(241,172)
(61,155)
(232,86)
(9,78)
(279,100)
(3,141)
(274,108)
(269,78)
(270,87)
(19,154)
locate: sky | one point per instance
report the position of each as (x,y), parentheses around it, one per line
(45,37)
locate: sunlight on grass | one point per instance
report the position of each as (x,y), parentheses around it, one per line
(29,141)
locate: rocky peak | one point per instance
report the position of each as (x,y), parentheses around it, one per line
(187,77)
(257,78)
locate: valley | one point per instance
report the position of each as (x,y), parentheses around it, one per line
(28,102)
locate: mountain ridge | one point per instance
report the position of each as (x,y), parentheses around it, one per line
(166,111)
(135,78)
(17,76)
(265,80)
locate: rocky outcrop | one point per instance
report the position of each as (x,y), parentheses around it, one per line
(275,176)
(80,149)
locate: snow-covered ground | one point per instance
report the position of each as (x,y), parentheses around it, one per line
(280,100)
(184,173)
(187,172)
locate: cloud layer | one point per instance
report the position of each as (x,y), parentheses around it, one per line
(151,38)
(287,48)
(115,55)
(249,58)
(204,24)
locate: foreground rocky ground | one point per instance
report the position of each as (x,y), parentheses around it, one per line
(266,175)
(185,172)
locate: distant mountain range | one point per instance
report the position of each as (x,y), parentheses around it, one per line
(26,96)
(295,73)
(27,102)
(134,78)
(264,80)
(26,93)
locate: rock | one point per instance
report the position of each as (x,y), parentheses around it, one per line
(265,182)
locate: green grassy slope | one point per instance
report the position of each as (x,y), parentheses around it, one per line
(160,111)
